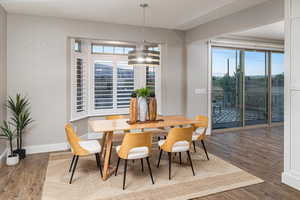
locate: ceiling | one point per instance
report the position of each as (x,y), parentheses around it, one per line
(272,31)
(171,14)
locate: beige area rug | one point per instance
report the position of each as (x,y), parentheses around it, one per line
(212,176)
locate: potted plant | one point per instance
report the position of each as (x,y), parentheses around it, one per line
(142,94)
(21,118)
(8,134)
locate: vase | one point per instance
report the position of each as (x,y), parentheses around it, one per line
(152,109)
(12,160)
(143,109)
(133,110)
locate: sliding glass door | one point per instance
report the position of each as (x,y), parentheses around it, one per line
(247,87)
(256,87)
(226,88)
(277,90)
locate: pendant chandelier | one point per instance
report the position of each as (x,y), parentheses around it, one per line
(141,55)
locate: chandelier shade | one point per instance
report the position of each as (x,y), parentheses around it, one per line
(142,55)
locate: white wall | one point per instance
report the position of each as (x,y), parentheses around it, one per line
(2,71)
(291,174)
(197,78)
(37,66)
(266,13)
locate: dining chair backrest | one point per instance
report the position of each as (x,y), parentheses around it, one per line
(74,140)
(203,123)
(177,135)
(135,140)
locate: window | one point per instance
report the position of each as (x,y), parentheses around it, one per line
(109,49)
(79,86)
(113,85)
(103,85)
(102,80)
(150,78)
(125,84)
(77,46)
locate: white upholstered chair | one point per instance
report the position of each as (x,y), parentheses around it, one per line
(135,146)
(200,132)
(81,148)
(178,141)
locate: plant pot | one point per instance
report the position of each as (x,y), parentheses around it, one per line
(12,160)
(143,109)
(21,153)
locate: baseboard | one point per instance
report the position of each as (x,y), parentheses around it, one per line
(46,148)
(3,157)
(291,179)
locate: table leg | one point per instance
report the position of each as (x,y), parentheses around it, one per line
(103,146)
(108,147)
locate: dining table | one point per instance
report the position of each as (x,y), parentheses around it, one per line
(108,127)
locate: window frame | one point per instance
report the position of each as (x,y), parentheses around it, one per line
(89,58)
(74,56)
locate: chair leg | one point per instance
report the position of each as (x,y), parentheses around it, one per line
(117,166)
(158,139)
(149,167)
(194,144)
(124,177)
(189,156)
(75,164)
(170,160)
(72,163)
(142,163)
(159,158)
(98,159)
(180,158)
(205,149)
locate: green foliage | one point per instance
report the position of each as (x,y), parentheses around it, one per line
(152,93)
(21,115)
(143,92)
(133,94)
(7,133)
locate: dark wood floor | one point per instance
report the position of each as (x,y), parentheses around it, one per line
(258,151)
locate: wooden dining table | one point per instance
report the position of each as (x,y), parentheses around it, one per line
(108,127)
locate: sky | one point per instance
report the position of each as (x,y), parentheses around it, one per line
(254,62)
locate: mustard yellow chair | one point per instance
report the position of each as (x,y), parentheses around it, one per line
(178,140)
(135,146)
(200,132)
(81,148)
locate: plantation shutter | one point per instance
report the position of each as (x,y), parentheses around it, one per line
(79,83)
(125,84)
(103,85)
(80,107)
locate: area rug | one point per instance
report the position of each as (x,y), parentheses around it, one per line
(212,176)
